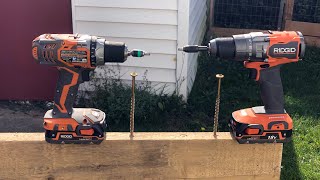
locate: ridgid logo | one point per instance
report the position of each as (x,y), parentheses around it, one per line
(284,50)
(66,136)
(289,50)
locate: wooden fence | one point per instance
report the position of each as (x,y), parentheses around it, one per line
(311,31)
(147,156)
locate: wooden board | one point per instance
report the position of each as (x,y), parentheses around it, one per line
(147,156)
(288,9)
(309,30)
(223,32)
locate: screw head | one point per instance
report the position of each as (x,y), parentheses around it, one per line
(219,76)
(133,74)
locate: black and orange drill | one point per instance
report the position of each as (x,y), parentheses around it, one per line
(263,53)
(76,56)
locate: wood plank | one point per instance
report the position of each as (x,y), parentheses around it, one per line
(130,30)
(307,29)
(211,18)
(288,9)
(224,32)
(147,156)
(312,41)
(126,15)
(141,4)
(310,31)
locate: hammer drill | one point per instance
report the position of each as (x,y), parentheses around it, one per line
(76,56)
(263,53)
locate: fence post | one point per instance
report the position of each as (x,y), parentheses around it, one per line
(289,10)
(211,23)
(280,17)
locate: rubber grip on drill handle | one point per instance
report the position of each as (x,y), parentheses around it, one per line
(66,91)
(271,90)
(194,48)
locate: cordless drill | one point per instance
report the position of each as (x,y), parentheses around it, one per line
(263,53)
(76,56)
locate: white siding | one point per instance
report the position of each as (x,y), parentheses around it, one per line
(197,29)
(191,29)
(157,26)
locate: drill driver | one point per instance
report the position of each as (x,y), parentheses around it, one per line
(263,53)
(76,56)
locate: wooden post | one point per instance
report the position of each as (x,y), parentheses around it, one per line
(289,9)
(211,18)
(149,156)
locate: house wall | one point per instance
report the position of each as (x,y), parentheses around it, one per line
(197,30)
(192,18)
(153,26)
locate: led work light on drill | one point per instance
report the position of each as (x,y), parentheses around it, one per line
(75,56)
(263,53)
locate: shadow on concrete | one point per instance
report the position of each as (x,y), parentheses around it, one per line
(21,117)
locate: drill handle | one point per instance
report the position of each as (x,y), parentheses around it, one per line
(66,91)
(271,90)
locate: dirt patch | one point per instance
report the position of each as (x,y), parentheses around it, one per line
(21,117)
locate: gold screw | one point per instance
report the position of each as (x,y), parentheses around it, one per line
(216,115)
(133,75)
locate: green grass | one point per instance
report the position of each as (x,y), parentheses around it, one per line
(301,157)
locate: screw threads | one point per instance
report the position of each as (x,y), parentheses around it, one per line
(217,105)
(133,75)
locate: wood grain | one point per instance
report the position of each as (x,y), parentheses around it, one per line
(307,29)
(288,9)
(310,31)
(223,32)
(147,156)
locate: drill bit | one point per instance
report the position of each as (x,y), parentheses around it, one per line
(133,75)
(216,115)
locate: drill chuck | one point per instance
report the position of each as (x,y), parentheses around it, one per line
(222,47)
(115,52)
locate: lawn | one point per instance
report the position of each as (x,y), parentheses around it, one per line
(301,157)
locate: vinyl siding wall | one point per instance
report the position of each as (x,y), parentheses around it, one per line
(157,26)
